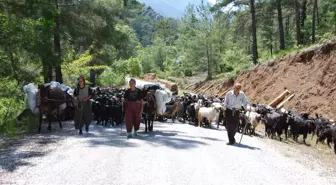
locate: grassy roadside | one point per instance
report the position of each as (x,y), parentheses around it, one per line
(321,154)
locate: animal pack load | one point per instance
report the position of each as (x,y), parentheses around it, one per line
(54,84)
(162,97)
(32,92)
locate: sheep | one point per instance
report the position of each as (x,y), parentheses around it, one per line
(209,113)
(254,119)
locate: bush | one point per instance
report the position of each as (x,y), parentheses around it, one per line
(12,103)
(225,68)
(187,72)
(161,74)
(111,78)
(236,59)
(327,36)
(134,67)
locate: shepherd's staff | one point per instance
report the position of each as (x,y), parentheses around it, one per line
(244,128)
(123,120)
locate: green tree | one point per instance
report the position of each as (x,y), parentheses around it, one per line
(251,4)
(134,67)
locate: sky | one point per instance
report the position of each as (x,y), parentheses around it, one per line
(212,1)
(172,8)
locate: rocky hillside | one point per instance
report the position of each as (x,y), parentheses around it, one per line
(310,74)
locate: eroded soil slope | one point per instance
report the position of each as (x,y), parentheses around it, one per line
(310,74)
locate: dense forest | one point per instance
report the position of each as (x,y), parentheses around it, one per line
(105,40)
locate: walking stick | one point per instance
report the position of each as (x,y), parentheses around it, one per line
(121,125)
(123,120)
(244,129)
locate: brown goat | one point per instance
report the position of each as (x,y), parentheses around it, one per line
(172,110)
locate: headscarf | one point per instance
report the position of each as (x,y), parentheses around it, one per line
(132,80)
(80,77)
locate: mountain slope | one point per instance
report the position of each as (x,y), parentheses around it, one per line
(171,8)
(310,74)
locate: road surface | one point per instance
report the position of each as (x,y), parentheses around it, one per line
(174,154)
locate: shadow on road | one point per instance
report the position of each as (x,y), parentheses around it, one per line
(10,161)
(116,137)
(245,146)
(16,153)
(20,152)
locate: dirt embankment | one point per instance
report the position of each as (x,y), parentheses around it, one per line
(310,74)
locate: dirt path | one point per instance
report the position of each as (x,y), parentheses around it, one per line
(172,154)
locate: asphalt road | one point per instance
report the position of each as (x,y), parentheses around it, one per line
(173,154)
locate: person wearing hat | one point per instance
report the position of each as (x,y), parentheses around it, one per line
(234,101)
(133,108)
(83,110)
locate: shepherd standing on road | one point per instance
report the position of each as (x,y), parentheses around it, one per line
(133,108)
(234,101)
(83,111)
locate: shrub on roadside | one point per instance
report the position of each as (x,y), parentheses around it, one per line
(187,72)
(134,67)
(111,78)
(12,103)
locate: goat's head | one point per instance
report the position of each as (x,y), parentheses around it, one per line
(258,118)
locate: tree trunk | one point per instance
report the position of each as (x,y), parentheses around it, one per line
(314,21)
(209,77)
(271,40)
(254,33)
(287,27)
(161,61)
(281,27)
(297,22)
(57,48)
(317,13)
(93,77)
(303,19)
(303,13)
(14,67)
(47,71)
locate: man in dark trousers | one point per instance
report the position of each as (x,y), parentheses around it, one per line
(234,101)
(133,108)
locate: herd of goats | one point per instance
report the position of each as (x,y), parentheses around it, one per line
(107,108)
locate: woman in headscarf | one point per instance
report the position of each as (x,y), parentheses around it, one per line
(83,111)
(133,108)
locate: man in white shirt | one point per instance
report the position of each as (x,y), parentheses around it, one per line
(234,101)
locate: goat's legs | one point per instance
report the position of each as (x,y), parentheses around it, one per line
(329,140)
(335,145)
(58,118)
(40,121)
(49,120)
(286,134)
(146,122)
(304,138)
(151,124)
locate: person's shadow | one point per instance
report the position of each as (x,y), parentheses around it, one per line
(245,146)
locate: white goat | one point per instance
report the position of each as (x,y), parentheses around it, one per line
(198,105)
(252,108)
(210,113)
(254,118)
